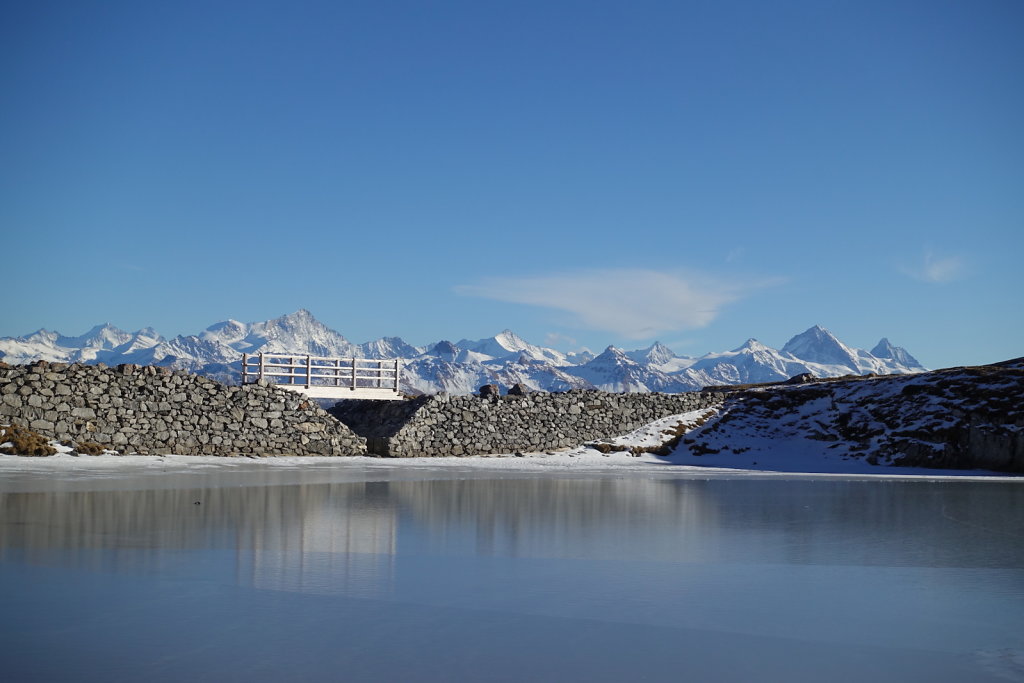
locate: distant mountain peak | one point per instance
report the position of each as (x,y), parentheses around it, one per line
(885,349)
(229,323)
(299,317)
(510,340)
(751,345)
(816,332)
(508,345)
(41,333)
(104,336)
(225,329)
(613,354)
(655,354)
(444,350)
(818,345)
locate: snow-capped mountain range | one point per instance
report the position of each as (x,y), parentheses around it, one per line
(462,367)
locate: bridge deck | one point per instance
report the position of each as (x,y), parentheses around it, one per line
(323,377)
(371,393)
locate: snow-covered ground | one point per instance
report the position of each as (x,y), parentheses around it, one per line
(793,458)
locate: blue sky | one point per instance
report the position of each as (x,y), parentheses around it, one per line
(585,173)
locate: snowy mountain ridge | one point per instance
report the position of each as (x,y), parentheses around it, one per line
(504,359)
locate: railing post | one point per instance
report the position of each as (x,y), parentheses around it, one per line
(309,371)
(353,373)
(245,358)
(262,369)
(397,370)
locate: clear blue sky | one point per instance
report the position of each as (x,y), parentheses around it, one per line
(584,173)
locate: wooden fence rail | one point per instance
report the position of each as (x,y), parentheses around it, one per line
(324,377)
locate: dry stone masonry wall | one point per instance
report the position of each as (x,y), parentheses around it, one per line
(468,425)
(151,410)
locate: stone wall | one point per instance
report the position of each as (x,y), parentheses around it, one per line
(152,410)
(444,425)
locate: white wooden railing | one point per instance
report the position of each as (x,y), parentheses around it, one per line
(323,377)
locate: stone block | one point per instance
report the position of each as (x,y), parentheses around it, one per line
(44,426)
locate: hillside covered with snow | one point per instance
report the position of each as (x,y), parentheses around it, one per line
(957,418)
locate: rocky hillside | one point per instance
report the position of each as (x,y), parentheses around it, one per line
(959,418)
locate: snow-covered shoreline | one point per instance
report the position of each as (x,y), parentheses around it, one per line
(582,460)
(798,459)
(43,473)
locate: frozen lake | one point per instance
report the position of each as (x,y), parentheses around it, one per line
(359,573)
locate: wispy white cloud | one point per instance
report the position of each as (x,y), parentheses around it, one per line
(735,254)
(936,269)
(556,338)
(633,303)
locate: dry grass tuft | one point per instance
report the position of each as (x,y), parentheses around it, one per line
(24,442)
(89,448)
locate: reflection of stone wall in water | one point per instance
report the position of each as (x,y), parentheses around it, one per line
(794,521)
(285,537)
(153,410)
(343,538)
(592,517)
(327,550)
(468,425)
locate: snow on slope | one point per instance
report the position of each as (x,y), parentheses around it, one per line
(661,358)
(508,344)
(389,347)
(96,345)
(614,370)
(752,362)
(956,418)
